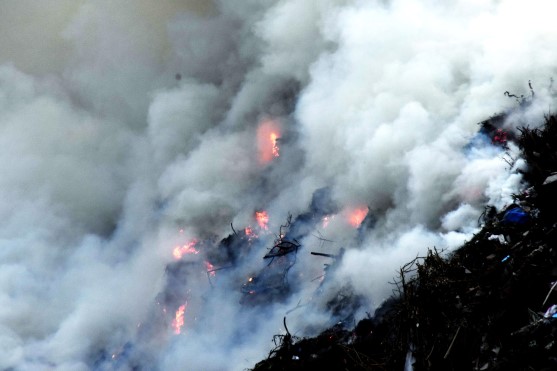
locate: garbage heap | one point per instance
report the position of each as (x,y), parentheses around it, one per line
(490,305)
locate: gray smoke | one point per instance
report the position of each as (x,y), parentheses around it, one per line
(130,127)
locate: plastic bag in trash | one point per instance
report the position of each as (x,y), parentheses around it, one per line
(516,216)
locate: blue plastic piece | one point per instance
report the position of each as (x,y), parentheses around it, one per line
(505,258)
(516,216)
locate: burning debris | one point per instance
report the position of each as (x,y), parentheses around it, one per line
(356,216)
(188,248)
(489,305)
(178,321)
(268,137)
(262,219)
(227,109)
(271,283)
(281,248)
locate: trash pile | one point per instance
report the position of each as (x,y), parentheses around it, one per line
(490,305)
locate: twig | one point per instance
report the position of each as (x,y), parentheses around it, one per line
(214,270)
(285,327)
(549,293)
(531,89)
(318,277)
(296,307)
(219,268)
(452,343)
(430,352)
(510,162)
(321,238)
(323,254)
(285,226)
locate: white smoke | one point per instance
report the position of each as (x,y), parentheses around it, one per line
(122,122)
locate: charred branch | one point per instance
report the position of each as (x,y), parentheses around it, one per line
(233,230)
(323,254)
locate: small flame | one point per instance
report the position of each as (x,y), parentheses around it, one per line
(210,269)
(250,233)
(356,216)
(189,248)
(268,134)
(275,150)
(262,219)
(178,321)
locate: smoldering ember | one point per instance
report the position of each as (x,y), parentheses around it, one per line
(278,185)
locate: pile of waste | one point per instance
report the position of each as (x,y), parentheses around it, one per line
(490,305)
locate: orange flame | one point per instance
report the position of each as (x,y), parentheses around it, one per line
(262,219)
(356,216)
(178,321)
(189,248)
(276,148)
(268,134)
(248,231)
(250,234)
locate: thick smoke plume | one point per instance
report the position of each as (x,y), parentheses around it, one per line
(128,128)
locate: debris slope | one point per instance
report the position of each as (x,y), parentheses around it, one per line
(489,305)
